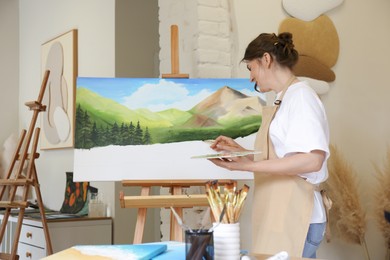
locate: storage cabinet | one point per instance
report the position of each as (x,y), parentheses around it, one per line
(64,233)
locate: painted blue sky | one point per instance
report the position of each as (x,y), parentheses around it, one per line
(158,94)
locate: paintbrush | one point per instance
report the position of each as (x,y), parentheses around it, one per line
(178,218)
(220,219)
(240,201)
(205,219)
(212,198)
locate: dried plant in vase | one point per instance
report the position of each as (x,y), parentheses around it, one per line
(347,217)
(382,200)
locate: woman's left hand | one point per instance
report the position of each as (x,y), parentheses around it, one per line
(238,163)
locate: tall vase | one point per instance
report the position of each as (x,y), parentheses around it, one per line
(227,241)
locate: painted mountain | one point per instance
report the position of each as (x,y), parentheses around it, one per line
(101,121)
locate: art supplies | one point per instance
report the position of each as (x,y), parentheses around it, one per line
(219,220)
(199,245)
(224,155)
(180,221)
(231,198)
(199,242)
(226,241)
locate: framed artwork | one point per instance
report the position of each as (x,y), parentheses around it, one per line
(152,128)
(59,56)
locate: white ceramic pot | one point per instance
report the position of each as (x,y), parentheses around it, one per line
(227,241)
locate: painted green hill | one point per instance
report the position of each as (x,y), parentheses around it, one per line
(106,111)
(175,116)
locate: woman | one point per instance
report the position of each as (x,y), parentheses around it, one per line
(288,212)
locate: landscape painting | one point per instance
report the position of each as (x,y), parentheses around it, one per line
(148,125)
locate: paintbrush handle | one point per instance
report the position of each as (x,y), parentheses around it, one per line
(179,221)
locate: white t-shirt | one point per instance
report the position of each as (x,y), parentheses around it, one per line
(300,125)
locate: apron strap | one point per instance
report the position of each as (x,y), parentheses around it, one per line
(278,101)
(277,104)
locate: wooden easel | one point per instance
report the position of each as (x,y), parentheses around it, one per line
(175,55)
(18,180)
(176,199)
(175,231)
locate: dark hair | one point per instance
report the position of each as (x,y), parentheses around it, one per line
(280,47)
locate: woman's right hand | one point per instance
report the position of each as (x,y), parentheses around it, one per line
(224,143)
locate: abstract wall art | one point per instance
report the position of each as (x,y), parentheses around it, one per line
(59,56)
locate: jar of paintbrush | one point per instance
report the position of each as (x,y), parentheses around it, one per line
(226,207)
(199,242)
(199,245)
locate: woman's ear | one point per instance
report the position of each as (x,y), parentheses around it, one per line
(267,60)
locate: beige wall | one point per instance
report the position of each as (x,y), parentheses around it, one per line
(9,66)
(136,45)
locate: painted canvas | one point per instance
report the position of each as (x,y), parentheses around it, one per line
(149,128)
(111,252)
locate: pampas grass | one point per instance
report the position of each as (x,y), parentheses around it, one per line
(347,218)
(382,199)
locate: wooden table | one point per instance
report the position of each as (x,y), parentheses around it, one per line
(177,247)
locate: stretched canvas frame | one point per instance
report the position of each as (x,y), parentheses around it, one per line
(132,129)
(59,55)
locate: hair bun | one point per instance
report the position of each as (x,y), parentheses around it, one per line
(285,39)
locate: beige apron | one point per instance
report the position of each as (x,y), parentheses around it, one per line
(282,205)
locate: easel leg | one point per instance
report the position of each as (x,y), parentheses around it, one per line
(141,219)
(17,233)
(49,249)
(4,222)
(176,233)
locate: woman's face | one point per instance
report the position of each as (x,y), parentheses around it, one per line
(257,68)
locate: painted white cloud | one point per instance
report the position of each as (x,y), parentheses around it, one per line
(164,95)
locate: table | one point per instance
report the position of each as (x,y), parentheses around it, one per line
(175,250)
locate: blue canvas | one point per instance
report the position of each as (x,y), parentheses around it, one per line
(138,251)
(175,250)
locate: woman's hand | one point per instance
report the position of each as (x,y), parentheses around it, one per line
(224,143)
(227,144)
(239,163)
